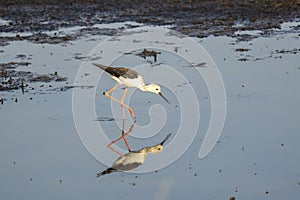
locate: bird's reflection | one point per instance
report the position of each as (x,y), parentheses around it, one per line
(132,159)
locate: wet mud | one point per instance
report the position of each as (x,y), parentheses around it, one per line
(194,18)
(41,21)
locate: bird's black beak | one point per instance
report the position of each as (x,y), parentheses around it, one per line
(167,137)
(160,94)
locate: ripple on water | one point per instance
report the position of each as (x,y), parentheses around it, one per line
(104,119)
(143,119)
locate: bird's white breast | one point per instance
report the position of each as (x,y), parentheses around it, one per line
(136,82)
(131,157)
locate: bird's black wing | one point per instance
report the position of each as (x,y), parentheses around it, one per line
(108,171)
(118,71)
(121,71)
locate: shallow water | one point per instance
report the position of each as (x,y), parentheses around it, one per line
(256,157)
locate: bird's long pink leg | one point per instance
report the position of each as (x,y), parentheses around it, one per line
(122,100)
(116,100)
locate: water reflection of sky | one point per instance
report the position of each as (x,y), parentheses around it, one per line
(41,155)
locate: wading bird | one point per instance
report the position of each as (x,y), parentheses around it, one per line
(129,78)
(133,159)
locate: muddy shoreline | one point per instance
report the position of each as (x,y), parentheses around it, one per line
(32,21)
(194,18)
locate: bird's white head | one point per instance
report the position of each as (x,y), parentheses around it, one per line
(152,88)
(157,148)
(155,89)
(154,149)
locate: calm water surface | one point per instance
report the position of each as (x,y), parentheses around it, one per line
(257,156)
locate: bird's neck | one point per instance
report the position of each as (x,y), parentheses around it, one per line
(146,150)
(144,88)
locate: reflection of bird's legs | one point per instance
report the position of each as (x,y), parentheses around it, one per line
(116,100)
(124,138)
(111,148)
(123,118)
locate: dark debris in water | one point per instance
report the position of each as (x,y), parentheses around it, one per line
(21,56)
(243,59)
(2,100)
(38,38)
(13,65)
(242,50)
(78,56)
(276,54)
(12,79)
(105,119)
(149,53)
(201,65)
(46,78)
(68,87)
(194,18)
(287,51)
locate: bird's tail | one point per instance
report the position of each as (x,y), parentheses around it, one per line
(108,171)
(100,66)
